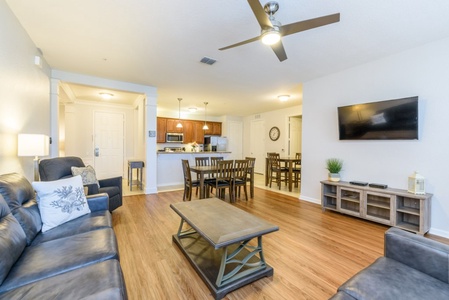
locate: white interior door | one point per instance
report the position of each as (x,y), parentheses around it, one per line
(295,125)
(235,139)
(108,144)
(257,145)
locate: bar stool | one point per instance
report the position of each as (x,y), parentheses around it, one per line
(135,164)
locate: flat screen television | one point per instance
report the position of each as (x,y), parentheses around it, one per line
(395,119)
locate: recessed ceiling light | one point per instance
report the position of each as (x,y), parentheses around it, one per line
(106,96)
(283,97)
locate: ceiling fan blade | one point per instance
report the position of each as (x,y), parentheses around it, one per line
(260,14)
(279,50)
(309,24)
(241,43)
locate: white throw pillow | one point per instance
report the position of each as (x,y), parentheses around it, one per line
(60,201)
(87,174)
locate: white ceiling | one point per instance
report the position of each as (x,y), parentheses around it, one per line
(160,43)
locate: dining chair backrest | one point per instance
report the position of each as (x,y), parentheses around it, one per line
(214,160)
(298,157)
(251,164)
(186,171)
(224,169)
(240,169)
(274,160)
(202,161)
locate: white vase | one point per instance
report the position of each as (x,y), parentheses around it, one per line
(334,177)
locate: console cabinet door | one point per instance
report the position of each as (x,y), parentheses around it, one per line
(351,201)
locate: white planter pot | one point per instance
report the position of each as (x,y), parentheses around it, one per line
(334,177)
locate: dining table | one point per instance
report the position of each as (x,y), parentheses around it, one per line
(202,171)
(289,161)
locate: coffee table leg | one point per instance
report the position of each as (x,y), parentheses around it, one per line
(236,273)
(186,232)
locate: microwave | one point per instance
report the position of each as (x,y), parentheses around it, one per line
(174,137)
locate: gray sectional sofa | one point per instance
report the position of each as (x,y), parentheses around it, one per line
(76,260)
(413,267)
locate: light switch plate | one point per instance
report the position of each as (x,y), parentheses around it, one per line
(152,133)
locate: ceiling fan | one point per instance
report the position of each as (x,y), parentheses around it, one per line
(272,30)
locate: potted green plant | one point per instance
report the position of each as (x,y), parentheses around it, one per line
(334,166)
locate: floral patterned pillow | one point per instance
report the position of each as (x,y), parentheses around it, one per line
(60,201)
(87,174)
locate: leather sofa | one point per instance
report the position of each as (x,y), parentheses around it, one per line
(413,267)
(61,167)
(76,260)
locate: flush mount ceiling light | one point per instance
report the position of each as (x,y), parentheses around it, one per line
(179,125)
(192,109)
(205,127)
(106,96)
(283,97)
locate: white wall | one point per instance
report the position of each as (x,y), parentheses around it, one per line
(24,93)
(278,118)
(423,72)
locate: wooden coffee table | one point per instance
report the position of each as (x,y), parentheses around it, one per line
(216,241)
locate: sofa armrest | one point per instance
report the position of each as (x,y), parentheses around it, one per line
(92,188)
(115,181)
(420,253)
(98,202)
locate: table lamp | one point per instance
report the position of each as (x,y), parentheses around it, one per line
(33,145)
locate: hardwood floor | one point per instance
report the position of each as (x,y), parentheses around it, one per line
(312,254)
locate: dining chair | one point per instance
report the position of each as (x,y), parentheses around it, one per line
(202,161)
(297,170)
(213,162)
(223,179)
(239,178)
(250,174)
(277,172)
(189,184)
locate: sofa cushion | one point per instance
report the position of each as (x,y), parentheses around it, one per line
(12,239)
(62,255)
(19,194)
(102,280)
(87,174)
(93,221)
(389,279)
(60,201)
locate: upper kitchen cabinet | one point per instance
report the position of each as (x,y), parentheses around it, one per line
(198,132)
(214,128)
(171,126)
(161,129)
(193,130)
(189,131)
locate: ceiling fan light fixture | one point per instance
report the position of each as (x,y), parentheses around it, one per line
(271,36)
(283,98)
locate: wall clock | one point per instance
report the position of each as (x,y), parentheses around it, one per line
(275,133)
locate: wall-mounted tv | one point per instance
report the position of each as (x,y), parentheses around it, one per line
(395,119)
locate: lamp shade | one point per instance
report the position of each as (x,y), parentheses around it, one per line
(33,145)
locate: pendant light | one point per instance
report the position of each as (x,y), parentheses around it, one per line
(179,125)
(205,127)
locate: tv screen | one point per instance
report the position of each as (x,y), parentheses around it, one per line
(384,120)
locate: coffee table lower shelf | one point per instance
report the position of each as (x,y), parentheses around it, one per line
(206,261)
